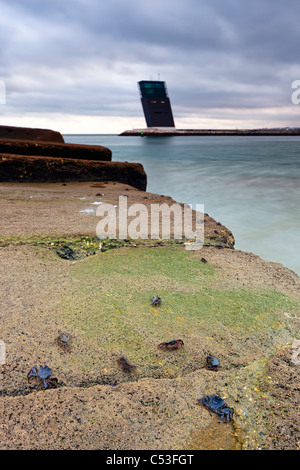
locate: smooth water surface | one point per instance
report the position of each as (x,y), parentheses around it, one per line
(250,184)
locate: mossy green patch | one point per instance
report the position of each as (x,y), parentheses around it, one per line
(109,305)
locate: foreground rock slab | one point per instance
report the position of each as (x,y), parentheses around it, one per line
(102,302)
(241,309)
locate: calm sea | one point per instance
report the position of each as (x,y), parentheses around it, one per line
(250,184)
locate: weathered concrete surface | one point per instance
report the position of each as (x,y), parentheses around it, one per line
(102,301)
(25,168)
(55,150)
(236,306)
(28,133)
(28,209)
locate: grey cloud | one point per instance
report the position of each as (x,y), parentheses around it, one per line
(87,56)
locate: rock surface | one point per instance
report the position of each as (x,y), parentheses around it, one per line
(40,156)
(25,168)
(28,133)
(55,150)
(236,306)
(96,405)
(28,209)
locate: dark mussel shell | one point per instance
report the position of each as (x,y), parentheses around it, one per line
(171,345)
(212,362)
(125,365)
(156,300)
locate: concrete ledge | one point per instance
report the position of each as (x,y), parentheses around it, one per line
(28,133)
(55,150)
(21,168)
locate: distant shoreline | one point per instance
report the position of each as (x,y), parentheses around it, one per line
(211,132)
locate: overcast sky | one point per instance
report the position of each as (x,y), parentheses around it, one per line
(73,65)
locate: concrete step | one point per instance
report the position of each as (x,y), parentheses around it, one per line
(55,150)
(29,168)
(29,133)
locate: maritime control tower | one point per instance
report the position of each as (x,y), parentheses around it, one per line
(156,104)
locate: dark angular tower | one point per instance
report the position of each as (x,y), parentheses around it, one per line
(156,104)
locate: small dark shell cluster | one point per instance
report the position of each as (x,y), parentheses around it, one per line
(155,300)
(63,341)
(212,363)
(217,405)
(43,375)
(125,365)
(171,345)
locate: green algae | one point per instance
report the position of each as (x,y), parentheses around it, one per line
(80,246)
(74,247)
(109,305)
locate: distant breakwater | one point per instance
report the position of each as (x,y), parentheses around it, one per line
(212,132)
